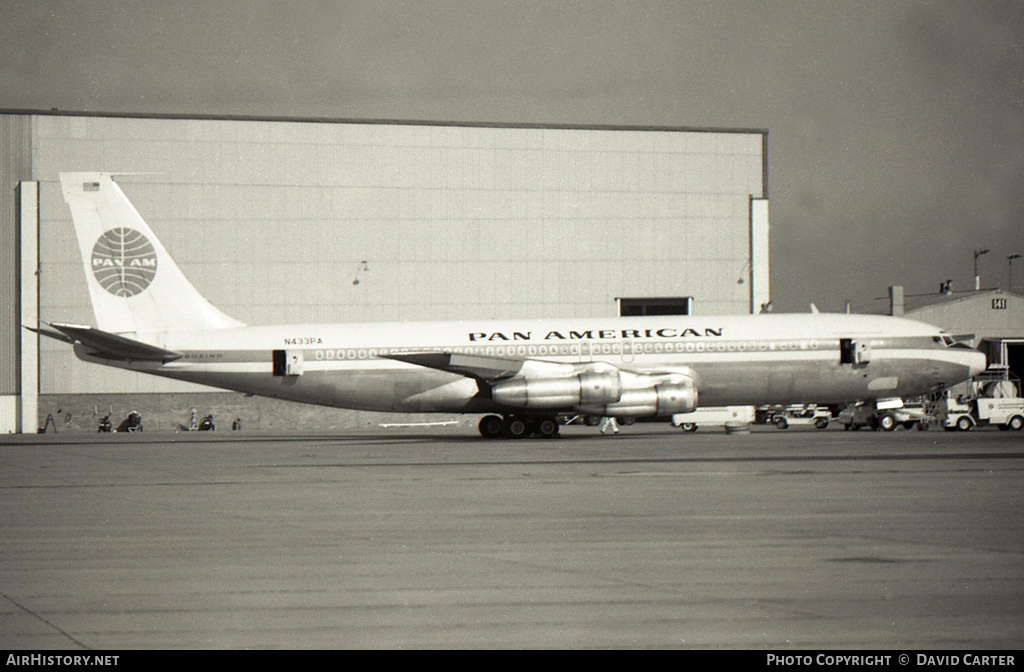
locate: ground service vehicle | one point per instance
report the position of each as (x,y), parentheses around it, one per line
(995,403)
(716,416)
(784,417)
(888,417)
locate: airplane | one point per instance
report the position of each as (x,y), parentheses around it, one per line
(524,376)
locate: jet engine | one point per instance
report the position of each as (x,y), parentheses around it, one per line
(663,397)
(600,391)
(587,388)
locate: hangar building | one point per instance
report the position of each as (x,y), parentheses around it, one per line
(313,220)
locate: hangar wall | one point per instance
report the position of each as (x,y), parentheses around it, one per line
(272,220)
(15,162)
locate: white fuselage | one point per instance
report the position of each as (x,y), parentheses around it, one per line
(731,360)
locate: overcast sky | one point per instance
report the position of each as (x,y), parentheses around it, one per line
(896,129)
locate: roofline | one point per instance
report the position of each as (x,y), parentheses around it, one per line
(966,295)
(394,122)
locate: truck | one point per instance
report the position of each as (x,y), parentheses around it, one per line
(787,416)
(986,402)
(888,415)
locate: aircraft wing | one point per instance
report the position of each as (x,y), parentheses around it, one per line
(493,369)
(107,345)
(481,367)
(591,387)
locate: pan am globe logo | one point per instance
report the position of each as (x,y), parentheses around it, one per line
(123,261)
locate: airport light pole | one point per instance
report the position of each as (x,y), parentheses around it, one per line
(1009,262)
(977,278)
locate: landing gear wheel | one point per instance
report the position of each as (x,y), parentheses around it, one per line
(516,428)
(490,426)
(547,427)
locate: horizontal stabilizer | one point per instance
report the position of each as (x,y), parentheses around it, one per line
(107,345)
(480,367)
(56,335)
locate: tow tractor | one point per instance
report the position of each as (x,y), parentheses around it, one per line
(992,401)
(888,415)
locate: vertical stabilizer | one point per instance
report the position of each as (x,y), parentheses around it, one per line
(133,283)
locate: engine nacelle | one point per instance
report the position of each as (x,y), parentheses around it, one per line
(600,387)
(600,391)
(660,399)
(587,388)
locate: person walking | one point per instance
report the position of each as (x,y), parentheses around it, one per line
(610,423)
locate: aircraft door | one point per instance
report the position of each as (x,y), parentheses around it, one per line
(287,362)
(855,352)
(627,351)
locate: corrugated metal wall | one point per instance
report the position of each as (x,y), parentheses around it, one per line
(994,314)
(15,166)
(271,220)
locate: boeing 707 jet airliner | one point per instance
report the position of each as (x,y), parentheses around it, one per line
(522,375)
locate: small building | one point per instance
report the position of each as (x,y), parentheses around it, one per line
(991,320)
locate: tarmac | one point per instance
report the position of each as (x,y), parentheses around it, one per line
(433,537)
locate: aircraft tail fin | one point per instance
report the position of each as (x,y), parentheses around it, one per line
(134,284)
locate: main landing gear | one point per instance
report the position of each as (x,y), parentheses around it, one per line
(518,427)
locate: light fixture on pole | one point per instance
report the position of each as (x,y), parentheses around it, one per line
(363,267)
(1009,262)
(977,278)
(742,279)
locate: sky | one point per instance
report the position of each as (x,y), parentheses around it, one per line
(896,129)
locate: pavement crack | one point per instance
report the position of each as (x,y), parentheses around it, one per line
(28,611)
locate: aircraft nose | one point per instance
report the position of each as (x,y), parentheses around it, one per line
(977,362)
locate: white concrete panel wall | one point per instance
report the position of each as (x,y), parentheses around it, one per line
(759,262)
(270,220)
(28,218)
(9,417)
